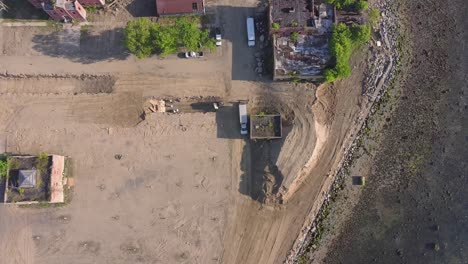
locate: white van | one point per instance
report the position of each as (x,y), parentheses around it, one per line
(250,32)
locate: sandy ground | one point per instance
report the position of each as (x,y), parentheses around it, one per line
(165,200)
(183,189)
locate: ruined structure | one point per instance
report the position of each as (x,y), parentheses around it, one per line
(66,10)
(300,31)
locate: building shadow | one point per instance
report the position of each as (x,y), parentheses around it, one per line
(227,122)
(82,46)
(22,9)
(142,8)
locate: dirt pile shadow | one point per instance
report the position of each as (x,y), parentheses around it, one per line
(261,178)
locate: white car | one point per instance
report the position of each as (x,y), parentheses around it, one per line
(193,54)
(218,37)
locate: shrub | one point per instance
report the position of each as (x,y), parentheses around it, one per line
(350,5)
(275,26)
(361,5)
(361,33)
(3,168)
(294,36)
(342,43)
(294,24)
(42,162)
(374,17)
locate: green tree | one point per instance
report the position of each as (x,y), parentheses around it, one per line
(188,33)
(138,37)
(275,26)
(206,41)
(342,43)
(165,40)
(361,5)
(361,33)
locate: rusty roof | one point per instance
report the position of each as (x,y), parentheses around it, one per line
(172,7)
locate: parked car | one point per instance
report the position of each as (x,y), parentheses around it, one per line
(218,37)
(193,54)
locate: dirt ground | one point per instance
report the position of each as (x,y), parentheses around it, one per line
(413,209)
(184,189)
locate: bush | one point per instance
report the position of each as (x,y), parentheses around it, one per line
(349,5)
(165,40)
(374,17)
(361,5)
(3,168)
(42,162)
(342,43)
(294,36)
(275,26)
(361,33)
(138,37)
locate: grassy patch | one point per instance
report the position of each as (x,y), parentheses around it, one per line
(349,5)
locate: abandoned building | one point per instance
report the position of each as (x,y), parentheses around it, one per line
(66,10)
(179,7)
(300,31)
(34,179)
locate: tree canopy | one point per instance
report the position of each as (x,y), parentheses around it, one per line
(143,38)
(138,37)
(342,43)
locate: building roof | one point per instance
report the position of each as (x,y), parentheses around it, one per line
(172,7)
(66,4)
(56,179)
(27,178)
(304,59)
(296,13)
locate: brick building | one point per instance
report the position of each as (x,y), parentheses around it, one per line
(98,3)
(66,10)
(179,7)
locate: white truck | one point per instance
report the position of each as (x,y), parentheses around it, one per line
(250,32)
(243,118)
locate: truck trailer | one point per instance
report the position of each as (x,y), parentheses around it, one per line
(243,118)
(250,32)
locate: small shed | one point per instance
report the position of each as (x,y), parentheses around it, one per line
(27,178)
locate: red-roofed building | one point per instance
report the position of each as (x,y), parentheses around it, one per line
(179,7)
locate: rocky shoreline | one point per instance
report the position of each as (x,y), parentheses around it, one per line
(377,80)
